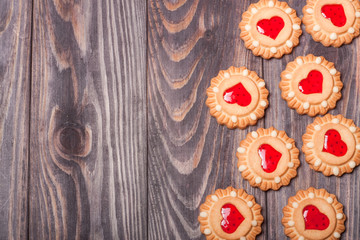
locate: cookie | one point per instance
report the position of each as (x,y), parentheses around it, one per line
(270,28)
(313,214)
(332,145)
(332,22)
(268,159)
(237,97)
(311,85)
(230,214)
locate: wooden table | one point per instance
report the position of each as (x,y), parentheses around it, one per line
(104,132)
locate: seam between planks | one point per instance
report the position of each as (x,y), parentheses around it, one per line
(266,193)
(29,119)
(147,113)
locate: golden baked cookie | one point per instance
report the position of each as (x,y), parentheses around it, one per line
(270,28)
(230,214)
(268,158)
(332,22)
(313,214)
(332,145)
(311,85)
(237,97)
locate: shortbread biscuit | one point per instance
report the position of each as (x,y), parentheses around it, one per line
(230,214)
(270,28)
(268,159)
(332,145)
(332,22)
(237,97)
(313,214)
(311,85)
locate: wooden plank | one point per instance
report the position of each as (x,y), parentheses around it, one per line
(280,116)
(15,45)
(88,120)
(347,188)
(190,155)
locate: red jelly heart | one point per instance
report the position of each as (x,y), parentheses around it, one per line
(312,83)
(314,219)
(269,157)
(237,94)
(333,143)
(335,13)
(270,27)
(232,218)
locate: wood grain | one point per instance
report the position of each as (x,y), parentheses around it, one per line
(88,120)
(190,155)
(15,42)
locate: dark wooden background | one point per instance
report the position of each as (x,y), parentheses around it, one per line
(104,132)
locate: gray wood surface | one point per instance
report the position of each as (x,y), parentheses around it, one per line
(88,120)
(104,131)
(15,45)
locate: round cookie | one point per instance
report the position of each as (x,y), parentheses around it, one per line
(270,28)
(313,214)
(311,85)
(268,159)
(332,145)
(230,214)
(332,22)
(237,97)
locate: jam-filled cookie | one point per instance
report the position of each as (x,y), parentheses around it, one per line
(268,159)
(313,214)
(237,97)
(332,22)
(311,85)
(270,28)
(230,214)
(332,145)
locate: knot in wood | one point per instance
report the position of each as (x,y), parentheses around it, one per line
(73,140)
(208,35)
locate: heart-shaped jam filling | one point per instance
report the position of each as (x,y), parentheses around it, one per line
(270,27)
(333,143)
(314,219)
(269,157)
(335,13)
(232,218)
(237,94)
(312,83)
